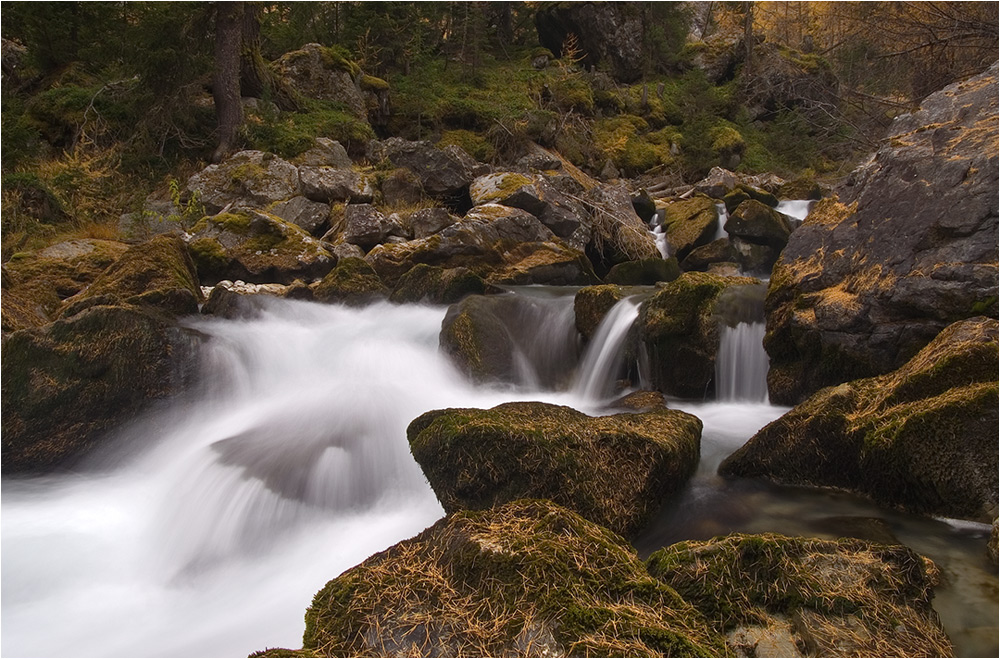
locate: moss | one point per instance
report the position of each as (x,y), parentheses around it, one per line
(352,282)
(437,285)
(624,140)
(727,140)
(373,84)
(572,93)
(645,272)
(475,145)
(209,256)
(336,57)
(592,303)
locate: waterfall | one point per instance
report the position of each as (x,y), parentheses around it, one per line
(602,362)
(542,325)
(741,364)
(797,209)
(723,215)
(659,233)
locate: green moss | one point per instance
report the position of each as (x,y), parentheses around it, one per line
(572,93)
(475,145)
(352,282)
(373,84)
(337,57)
(209,256)
(625,142)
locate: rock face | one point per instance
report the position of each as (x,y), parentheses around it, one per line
(158,274)
(774,596)
(592,303)
(68,382)
(246,179)
(526,579)
(426,283)
(256,247)
(609,32)
(613,470)
(679,326)
(861,288)
(923,437)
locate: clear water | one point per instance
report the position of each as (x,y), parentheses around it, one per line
(208,527)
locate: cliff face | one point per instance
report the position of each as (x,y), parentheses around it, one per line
(910,247)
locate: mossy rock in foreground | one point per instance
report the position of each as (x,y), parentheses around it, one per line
(526,579)
(809,597)
(923,437)
(614,470)
(352,282)
(436,285)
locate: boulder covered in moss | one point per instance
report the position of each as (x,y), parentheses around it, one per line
(702,258)
(248,179)
(35,284)
(910,247)
(592,303)
(552,263)
(645,272)
(792,597)
(158,274)
(566,217)
(614,470)
(759,223)
(436,285)
(680,329)
(352,282)
(474,334)
(323,73)
(442,172)
(923,437)
(256,247)
(528,579)
(68,383)
(690,223)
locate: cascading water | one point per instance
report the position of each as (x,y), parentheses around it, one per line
(659,233)
(723,217)
(741,364)
(602,361)
(797,209)
(291,465)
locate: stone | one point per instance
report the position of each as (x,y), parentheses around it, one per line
(428,221)
(592,303)
(618,234)
(436,285)
(758,223)
(442,172)
(158,274)
(808,597)
(332,184)
(311,216)
(643,273)
(922,438)
(612,33)
(690,223)
(352,282)
(325,153)
(66,385)
(550,263)
(910,247)
(702,258)
(717,184)
(680,330)
(401,187)
(318,72)
(527,579)
(613,470)
(256,247)
(248,179)
(365,226)
(239,300)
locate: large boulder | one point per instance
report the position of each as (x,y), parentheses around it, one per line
(552,263)
(442,172)
(618,234)
(861,288)
(776,596)
(680,328)
(352,282)
(35,284)
(614,470)
(66,384)
(566,217)
(690,223)
(364,225)
(436,285)
(310,216)
(158,274)
(248,179)
(608,32)
(923,437)
(757,234)
(526,579)
(645,272)
(333,184)
(592,303)
(319,72)
(256,247)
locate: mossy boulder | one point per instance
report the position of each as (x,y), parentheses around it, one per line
(922,437)
(352,282)
(592,303)
(552,263)
(158,274)
(773,595)
(618,234)
(702,258)
(759,223)
(614,470)
(323,73)
(801,188)
(442,172)
(35,284)
(436,285)
(248,179)
(256,247)
(645,272)
(690,223)
(68,383)
(526,579)
(679,327)
(474,334)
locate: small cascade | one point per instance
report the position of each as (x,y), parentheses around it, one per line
(741,364)
(602,361)
(720,231)
(797,209)
(543,327)
(659,233)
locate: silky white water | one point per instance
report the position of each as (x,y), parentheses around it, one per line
(603,359)
(208,527)
(741,363)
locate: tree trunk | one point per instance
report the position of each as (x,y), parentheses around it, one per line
(257,80)
(226,84)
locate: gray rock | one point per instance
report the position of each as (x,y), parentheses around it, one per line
(428,221)
(365,226)
(311,216)
(317,73)
(246,179)
(326,153)
(401,187)
(442,172)
(332,184)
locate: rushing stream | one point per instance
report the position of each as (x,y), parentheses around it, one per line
(208,525)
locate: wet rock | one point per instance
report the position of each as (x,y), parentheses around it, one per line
(526,579)
(592,303)
(614,470)
(312,217)
(67,384)
(238,299)
(690,223)
(436,285)
(801,188)
(921,438)
(702,258)
(352,282)
(248,179)
(679,328)
(755,222)
(640,401)
(256,247)
(551,263)
(158,274)
(808,597)
(643,273)
(863,285)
